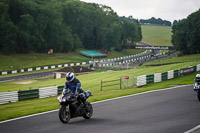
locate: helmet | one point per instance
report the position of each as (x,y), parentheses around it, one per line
(198,76)
(70,76)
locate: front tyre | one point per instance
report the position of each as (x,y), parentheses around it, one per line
(64,114)
(198,95)
(89,111)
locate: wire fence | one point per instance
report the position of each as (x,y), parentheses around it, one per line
(123,82)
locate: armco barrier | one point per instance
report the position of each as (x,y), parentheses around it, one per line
(176,73)
(60,89)
(158,77)
(198,67)
(150,78)
(141,80)
(170,74)
(47,92)
(8,97)
(164,76)
(28,94)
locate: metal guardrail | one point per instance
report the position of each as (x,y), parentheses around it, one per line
(158,77)
(8,97)
(28,94)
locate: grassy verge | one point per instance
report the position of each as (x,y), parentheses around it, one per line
(13,110)
(19,61)
(157,35)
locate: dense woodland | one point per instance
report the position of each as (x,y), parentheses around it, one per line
(62,25)
(186,34)
(155,21)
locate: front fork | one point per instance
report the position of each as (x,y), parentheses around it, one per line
(67,108)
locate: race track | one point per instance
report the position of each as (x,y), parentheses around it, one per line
(167,111)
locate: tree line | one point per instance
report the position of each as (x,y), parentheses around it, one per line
(155,21)
(186,34)
(62,25)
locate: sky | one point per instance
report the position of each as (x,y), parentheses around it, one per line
(145,9)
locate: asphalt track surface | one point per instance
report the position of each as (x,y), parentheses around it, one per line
(173,110)
(26,76)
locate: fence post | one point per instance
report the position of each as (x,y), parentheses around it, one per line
(120,83)
(101,85)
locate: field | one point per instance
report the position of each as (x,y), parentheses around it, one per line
(157,35)
(91,81)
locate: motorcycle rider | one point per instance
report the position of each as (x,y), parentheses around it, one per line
(197,80)
(74,85)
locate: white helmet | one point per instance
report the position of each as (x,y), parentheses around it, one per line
(198,76)
(70,76)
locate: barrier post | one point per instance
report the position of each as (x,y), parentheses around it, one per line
(120,83)
(101,85)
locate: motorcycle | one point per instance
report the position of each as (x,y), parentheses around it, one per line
(197,89)
(72,106)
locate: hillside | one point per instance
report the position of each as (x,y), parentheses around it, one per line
(157,35)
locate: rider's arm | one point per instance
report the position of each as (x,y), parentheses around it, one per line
(78,86)
(65,89)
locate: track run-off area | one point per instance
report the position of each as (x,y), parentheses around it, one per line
(170,110)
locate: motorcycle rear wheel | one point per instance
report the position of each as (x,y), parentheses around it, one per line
(89,111)
(63,115)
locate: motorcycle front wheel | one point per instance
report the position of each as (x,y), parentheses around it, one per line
(64,114)
(198,95)
(89,111)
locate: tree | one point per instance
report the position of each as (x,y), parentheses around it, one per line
(62,25)
(158,21)
(186,37)
(8,30)
(112,37)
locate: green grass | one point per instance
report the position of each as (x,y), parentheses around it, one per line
(157,35)
(18,109)
(19,61)
(92,81)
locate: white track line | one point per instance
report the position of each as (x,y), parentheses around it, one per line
(96,102)
(193,129)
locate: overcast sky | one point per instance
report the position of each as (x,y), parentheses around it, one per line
(144,9)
